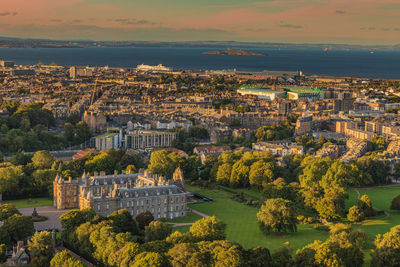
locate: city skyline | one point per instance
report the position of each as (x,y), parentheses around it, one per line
(293,21)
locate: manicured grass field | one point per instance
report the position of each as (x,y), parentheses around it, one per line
(381,198)
(190,217)
(242,224)
(182,229)
(250,192)
(24,203)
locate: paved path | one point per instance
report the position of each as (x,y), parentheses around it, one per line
(186,224)
(200,213)
(76,256)
(50,212)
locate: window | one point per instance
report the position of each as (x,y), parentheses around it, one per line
(165,201)
(127,204)
(98,207)
(141,202)
(108,206)
(121,205)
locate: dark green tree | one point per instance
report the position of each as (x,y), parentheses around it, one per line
(277,214)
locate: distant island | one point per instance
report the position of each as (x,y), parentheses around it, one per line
(233,52)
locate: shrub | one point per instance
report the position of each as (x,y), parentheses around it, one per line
(355,214)
(395,203)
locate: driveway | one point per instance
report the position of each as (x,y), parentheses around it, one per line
(52,214)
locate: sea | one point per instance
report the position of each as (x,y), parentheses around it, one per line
(354,63)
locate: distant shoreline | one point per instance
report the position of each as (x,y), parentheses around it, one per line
(233,52)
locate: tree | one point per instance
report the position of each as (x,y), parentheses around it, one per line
(63,259)
(3,256)
(9,179)
(355,214)
(223,253)
(20,158)
(261,173)
(149,259)
(18,227)
(125,256)
(276,214)
(387,248)
(83,132)
(182,253)
(69,132)
(282,256)
(240,174)
(43,180)
(164,163)
(208,228)
(224,173)
(131,169)
(74,218)
(42,159)
(198,132)
(365,205)
(123,222)
(157,230)
(259,257)
(41,248)
(395,205)
(143,219)
(7,210)
(101,162)
(374,170)
(338,250)
(378,143)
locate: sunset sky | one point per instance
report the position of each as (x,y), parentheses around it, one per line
(294,21)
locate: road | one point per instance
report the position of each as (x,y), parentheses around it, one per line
(50,212)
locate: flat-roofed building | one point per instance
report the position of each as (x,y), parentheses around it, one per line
(261,92)
(148,139)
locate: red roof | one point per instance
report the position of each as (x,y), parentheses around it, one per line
(82,153)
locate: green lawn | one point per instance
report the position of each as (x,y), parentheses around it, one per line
(24,203)
(381,199)
(182,229)
(251,192)
(190,217)
(242,225)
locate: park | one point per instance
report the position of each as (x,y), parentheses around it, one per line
(243,228)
